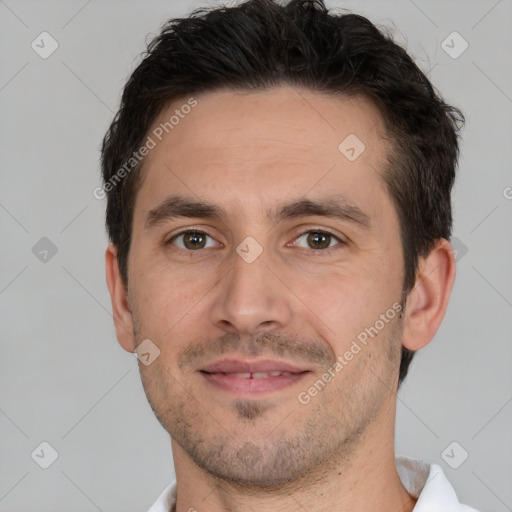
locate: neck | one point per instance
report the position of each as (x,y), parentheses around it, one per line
(366,480)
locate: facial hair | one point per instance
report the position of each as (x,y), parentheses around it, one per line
(247,450)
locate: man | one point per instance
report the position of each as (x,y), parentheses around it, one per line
(278,182)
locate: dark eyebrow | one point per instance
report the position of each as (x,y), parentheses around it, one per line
(180,206)
(336,207)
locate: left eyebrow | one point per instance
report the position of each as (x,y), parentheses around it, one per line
(337,207)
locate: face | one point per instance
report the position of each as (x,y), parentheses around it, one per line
(258,281)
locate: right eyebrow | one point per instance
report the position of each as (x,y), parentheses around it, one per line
(178,206)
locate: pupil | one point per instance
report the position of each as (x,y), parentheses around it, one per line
(193,240)
(316,239)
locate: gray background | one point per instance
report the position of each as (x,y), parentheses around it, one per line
(65,380)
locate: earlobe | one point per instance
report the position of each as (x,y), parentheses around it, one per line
(428,301)
(121,310)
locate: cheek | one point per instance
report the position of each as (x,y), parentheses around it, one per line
(165,304)
(172,307)
(167,292)
(344,304)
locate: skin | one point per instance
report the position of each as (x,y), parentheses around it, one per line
(248,153)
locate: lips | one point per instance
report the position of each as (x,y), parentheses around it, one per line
(247,366)
(257,375)
(244,377)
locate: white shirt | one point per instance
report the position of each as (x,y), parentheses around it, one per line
(426,482)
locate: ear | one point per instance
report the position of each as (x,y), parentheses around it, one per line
(428,300)
(118,295)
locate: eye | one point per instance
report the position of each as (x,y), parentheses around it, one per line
(194,240)
(318,239)
(191,240)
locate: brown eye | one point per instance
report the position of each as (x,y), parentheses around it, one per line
(318,240)
(191,240)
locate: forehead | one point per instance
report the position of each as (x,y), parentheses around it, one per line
(255,147)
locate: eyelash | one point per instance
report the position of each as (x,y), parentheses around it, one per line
(319,252)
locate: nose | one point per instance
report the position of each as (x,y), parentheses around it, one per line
(251,298)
